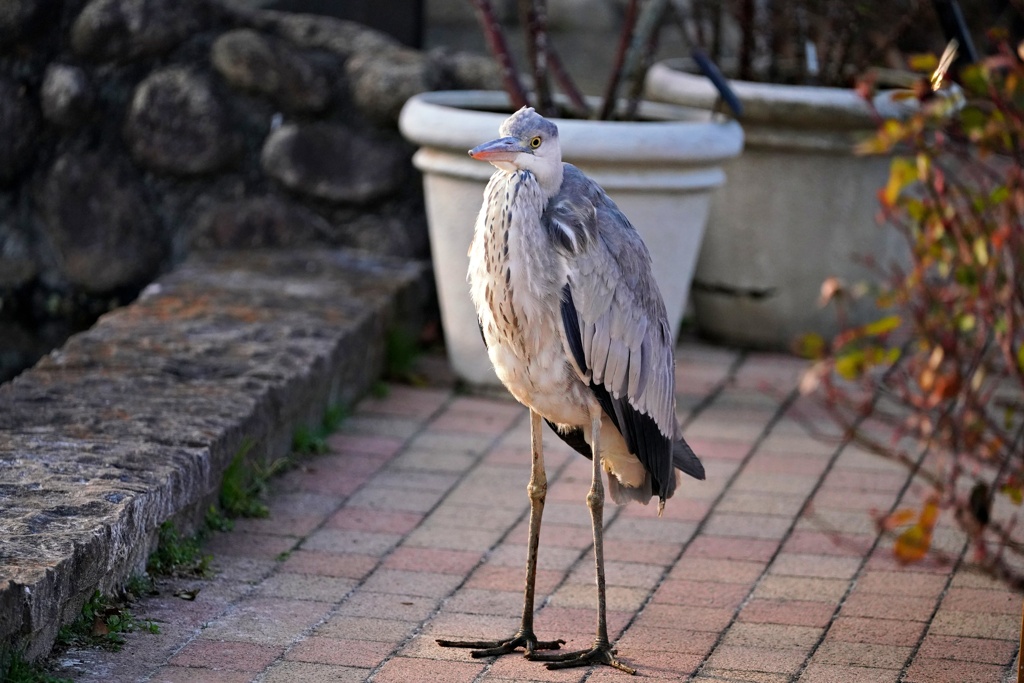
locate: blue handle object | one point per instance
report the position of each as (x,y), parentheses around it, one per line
(721,83)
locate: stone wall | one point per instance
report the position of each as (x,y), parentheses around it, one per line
(134,131)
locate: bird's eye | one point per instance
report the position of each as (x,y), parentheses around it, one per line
(535,142)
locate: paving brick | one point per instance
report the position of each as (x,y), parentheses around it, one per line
(549,557)
(339,652)
(701,593)
(823,566)
(862,654)
(385,498)
(747,634)
(424,584)
(226,655)
(519,668)
(567,623)
(434,461)
(979,600)
(434,560)
(177,674)
(924,670)
(290,672)
(417,403)
(783,484)
(475,601)
(368,519)
(678,639)
(349,627)
(880,631)
(652,530)
(726,571)
(976,624)
(660,554)
(766,659)
(988,651)
(619,598)
(468,424)
(323,482)
(728,548)
(454,517)
(266,621)
(822,543)
(884,606)
(684,616)
(758,503)
(817,672)
(408,669)
(351,565)
(462,626)
(344,541)
(305,587)
(554,535)
(901,583)
(775,587)
(256,546)
(745,525)
(629,574)
(708,674)
(364,443)
(379,426)
(794,612)
(388,606)
(652,664)
(496,577)
(292,525)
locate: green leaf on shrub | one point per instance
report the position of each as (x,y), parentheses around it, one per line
(981,251)
(1020,357)
(850,365)
(924,63)
(810,345)
(902,172)
(882,325)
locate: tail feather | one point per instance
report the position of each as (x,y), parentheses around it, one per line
(685,459)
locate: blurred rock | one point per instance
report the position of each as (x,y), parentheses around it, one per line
(254,62)
(332,162)
(176,124)
(381,82)
(19,19)
(341,37)
(467,71)
(67,96)
(99,223)
(121,30)
(15,273)
(19,123)
(258,222)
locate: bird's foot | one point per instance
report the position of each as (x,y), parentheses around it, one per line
(601,653)
(491,648)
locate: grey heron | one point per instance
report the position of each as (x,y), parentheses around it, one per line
(577,331)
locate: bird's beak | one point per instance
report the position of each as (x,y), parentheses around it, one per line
(502,149)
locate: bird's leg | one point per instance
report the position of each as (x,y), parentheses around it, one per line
(601,652)
(524,637)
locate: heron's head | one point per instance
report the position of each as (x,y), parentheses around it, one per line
(529,142)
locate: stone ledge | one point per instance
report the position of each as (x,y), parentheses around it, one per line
(133,422)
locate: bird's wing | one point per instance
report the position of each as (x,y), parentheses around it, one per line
(614,325)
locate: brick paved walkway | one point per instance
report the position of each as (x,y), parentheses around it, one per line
(414,528)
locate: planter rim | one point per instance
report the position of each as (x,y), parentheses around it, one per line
(461,119)
(775,103)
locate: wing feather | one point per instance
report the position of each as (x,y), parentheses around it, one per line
(614,322)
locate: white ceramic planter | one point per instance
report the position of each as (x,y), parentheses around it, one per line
(660,172)
(801,208)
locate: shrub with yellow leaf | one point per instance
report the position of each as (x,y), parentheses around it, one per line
(937,382)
